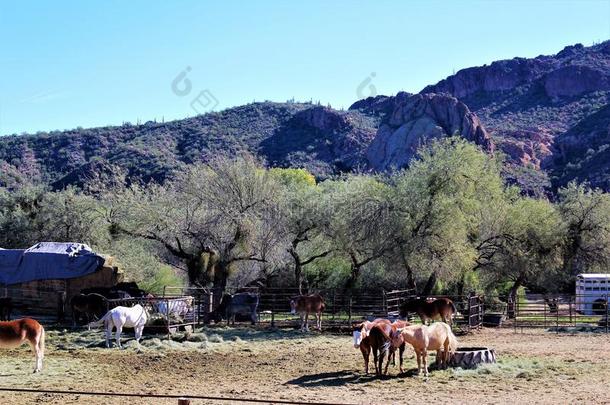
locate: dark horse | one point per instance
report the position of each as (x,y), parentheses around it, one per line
(440,308)
(6,307)
(88,306)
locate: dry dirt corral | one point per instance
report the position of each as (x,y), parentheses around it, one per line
(535,366)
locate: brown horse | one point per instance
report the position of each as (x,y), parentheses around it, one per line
(383,339)
(306,304)
(360,333)
(440,309)
(15,333)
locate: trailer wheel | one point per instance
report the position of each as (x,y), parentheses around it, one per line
(472,357)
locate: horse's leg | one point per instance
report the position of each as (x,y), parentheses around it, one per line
(319,320)
(366,352)
(401,352)
(119,329)
(139,330)
(375,355)
(418,355)
(425,362)
(306,321)
(390,353)
(109,326)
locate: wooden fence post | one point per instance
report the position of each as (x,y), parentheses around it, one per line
(61,306)
(607,313)
(349,310)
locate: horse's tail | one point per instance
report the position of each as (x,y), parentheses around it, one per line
(377,332)
(100,321)
(453,343)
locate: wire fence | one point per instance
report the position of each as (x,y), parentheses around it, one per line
(182,399)
(180,307)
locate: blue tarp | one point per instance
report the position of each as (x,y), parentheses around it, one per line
(47,261)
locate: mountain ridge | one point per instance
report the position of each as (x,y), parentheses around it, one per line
(548,114)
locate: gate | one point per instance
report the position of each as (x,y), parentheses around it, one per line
(475,311)
(393,299)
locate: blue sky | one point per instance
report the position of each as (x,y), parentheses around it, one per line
(65,64)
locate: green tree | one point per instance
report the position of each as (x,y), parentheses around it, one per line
(586,216)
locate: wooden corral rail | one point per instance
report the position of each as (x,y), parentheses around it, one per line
(182,399)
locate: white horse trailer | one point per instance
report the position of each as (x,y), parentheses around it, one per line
(592,291)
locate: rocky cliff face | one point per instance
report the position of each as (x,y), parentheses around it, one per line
(414,120)
(527,105)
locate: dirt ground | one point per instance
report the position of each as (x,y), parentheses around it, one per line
(534,367)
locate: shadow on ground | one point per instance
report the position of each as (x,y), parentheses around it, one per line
(344,377)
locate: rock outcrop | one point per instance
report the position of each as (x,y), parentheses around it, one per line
(529,105)
(414,121)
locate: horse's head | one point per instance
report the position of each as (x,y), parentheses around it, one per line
(358,333)
(293,305)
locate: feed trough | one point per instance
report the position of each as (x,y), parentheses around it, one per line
(472,357)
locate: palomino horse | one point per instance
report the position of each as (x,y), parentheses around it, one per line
(306,304)
(132,317)
(437,336)
(15,333)
(440,308)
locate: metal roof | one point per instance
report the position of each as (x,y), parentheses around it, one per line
(594,275)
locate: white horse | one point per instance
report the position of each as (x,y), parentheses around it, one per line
(120,317)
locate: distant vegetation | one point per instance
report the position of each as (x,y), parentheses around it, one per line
(447,223)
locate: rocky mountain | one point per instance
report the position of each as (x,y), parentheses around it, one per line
(550,115)
(546,113)
(321,139)
(412,120)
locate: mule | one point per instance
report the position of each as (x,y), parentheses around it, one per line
(437,336)
(90,306)
(15,333)
(306,304)
(439,309)
(244,303)
(132,317)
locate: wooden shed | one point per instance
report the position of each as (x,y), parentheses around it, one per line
(42,279)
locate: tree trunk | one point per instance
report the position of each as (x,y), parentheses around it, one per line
(353,277)
(298,268)
(221,275)
(410,277)
(429,284)
(512,298)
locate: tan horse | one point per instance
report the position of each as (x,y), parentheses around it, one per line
(15,333)
(437,336)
